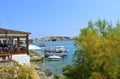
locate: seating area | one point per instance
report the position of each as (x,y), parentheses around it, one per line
(9,50)
(5,54)
(10,43)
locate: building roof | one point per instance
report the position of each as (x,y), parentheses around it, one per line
(12,33)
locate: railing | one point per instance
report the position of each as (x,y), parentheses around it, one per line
(5,57)
(6,53)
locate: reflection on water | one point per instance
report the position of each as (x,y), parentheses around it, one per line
(55,66)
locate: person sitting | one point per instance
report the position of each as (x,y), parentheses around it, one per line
(6,50)
(16,48)
(4,45)
(1,44)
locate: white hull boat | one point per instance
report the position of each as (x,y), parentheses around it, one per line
(54,57)
(32,47)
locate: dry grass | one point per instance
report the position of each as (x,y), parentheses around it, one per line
(16,71)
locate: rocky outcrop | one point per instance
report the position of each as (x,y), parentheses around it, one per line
(55,38)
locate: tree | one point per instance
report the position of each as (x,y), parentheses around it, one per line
(98,52)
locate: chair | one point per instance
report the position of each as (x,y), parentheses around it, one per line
(1,49)
(7,55)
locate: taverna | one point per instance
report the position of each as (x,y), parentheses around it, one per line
(11,48)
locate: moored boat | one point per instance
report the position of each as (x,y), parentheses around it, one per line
(58,53)
(33,47)
(58,50)
(54,57)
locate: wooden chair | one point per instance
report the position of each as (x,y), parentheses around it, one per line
(7,55)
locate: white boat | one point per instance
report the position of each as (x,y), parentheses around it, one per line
(33,47)
(60,48)
(54,57)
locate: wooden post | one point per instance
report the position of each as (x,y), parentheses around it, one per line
(12,40)
(18,41)
(27,44)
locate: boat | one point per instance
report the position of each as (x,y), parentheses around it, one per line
(32,47)
(58,50)
(58,53)
(54,57)
(61,48)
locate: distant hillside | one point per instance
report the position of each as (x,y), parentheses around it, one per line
(55,38)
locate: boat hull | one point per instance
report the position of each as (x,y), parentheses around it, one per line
(51,54)
(54,57)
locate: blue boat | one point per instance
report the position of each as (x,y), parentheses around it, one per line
(58,51)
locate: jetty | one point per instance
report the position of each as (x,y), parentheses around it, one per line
(35,55)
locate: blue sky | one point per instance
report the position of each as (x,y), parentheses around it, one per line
(55,17)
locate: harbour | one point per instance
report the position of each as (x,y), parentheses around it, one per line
(55,67)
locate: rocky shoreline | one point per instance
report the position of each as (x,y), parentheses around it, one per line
(42,73)
(35,55)
(52,38)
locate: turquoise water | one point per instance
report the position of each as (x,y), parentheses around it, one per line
(55,66)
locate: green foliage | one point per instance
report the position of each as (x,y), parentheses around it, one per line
(98,52)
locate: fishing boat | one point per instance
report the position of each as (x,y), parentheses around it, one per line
(61,48)
(54,57)
(58,50)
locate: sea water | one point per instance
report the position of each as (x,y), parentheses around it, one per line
(56,66)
